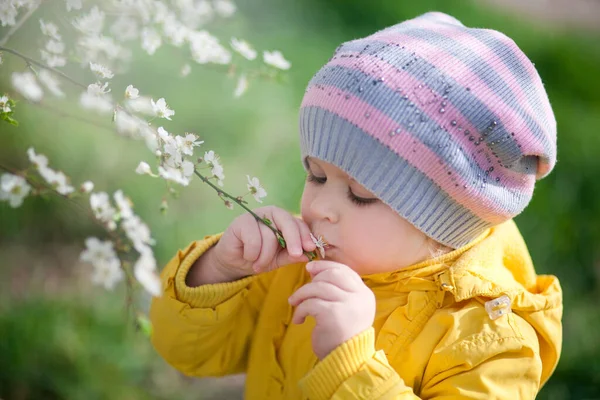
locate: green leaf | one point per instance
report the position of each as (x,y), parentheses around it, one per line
(267,221)
(281,241)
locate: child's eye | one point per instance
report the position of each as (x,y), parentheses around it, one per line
(359,201)
(315,179)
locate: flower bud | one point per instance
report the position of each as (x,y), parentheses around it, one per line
(87,187)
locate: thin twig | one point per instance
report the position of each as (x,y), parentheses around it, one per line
(39,185)
(239,201)
(42,65)
(18,25)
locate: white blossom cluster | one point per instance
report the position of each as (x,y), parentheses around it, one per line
(108,270)
(105,30)
(107,266)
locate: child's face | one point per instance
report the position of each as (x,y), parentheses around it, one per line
(364,233)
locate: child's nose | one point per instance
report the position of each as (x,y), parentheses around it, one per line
(326,205)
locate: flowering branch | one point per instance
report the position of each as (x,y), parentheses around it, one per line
(30,60)
(311,255)
(18,24)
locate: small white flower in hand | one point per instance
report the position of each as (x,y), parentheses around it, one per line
(13,189)
(320,243)
(161,109)
(101,71)
(256,189)
(275,59)
(244,48)
(131,92)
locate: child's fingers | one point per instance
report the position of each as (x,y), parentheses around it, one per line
(307,242)
(250,237)
(337,274)
(268,249)
(322,290)
(314,307)
(286,223)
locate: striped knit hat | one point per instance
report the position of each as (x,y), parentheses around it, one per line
(448,125)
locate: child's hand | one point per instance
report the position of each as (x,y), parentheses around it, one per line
(248,246)
(342,305)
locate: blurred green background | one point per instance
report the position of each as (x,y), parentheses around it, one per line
(62,338)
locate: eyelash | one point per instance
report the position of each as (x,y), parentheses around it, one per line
(359,201)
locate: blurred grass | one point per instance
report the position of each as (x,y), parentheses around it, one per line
(60,346)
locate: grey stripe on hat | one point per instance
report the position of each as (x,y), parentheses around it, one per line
(404,188)
(483,70)
(431,135)
(406,60)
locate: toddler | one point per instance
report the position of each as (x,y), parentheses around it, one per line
(421,142)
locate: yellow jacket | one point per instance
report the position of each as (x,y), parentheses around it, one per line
(432,336)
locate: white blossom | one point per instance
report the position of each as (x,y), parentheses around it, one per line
(107,266)
(4,106)
(187,143)
(26,84)
(175,31)
(103,210)
(241,87)
(90,24)
(131,92)
(51,83)
(39,160)
(320,243)
(205,48)
(124,204)
(224,8)
(161,109)
(87,186)
(96,98)
(74,5)
(49,29)
(185,70)
(151,40)
(143,169)
(144,271)
(98,89)
(125,28)
(128,124)
(212,160)
(99,47)
(275,59)
(101,71)
(8,13)
(13,189)
(256,189)
(244,48)
(141,105)
(57,179)
(137,231)
(173,174)
(53,60)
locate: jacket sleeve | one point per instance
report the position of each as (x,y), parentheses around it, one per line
(504,368)
(206,330)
